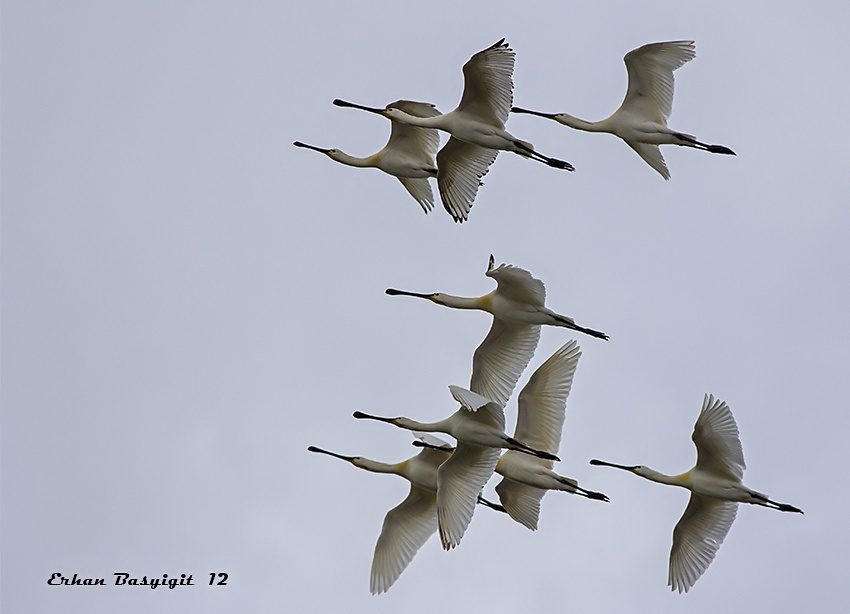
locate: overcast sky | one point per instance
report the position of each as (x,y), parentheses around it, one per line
(189,301)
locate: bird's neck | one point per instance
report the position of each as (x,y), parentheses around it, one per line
(344,158)
(661,478)
(423,122)
(463,302)
(376,466)
(581,124)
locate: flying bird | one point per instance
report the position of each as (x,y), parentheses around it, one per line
(542,410)
(518,310)
(408,155)
(408,525)
(716,489)
(477,129)
(479,427)
(641,120)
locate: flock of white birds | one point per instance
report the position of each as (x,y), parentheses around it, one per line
(446,481)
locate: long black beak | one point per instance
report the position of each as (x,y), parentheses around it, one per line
(394,292)
(423,444)
(315,449)
(519,110)
(607,464)
(361,415)
(313,147)
(343,103)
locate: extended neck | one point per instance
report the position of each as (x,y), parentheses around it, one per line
(456,302)
(580,124)
(438,121)
(405,423)
(344,158)
(644,472)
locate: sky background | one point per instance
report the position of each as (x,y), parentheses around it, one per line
(189,301)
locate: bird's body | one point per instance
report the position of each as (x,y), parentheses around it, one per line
(408,155)
(716,489)
(479,427)
(542,410)
(409,525)
(641,120)
(518,310)
(477,129)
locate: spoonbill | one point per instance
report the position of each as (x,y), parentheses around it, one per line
(518,310)
(408,155)
(641,120)
(542,410)
(716,489)
(408,525)
(477,129)
(479,427)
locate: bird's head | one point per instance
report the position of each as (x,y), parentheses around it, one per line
(632,468)
(332,153)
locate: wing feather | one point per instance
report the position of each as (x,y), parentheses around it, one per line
(420,190)
(406,528)
(543,400)
(460,167)
(459,482)
(521,501)
(651,154)
(518,284)
(650,68)
(501,358)
(488,84)
(718,444)
(696,539)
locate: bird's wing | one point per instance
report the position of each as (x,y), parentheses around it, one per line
(650,68)
(696,538)
(414,141)
(501,358)
(479,407)
(420,190)
(488,84)
(517,284)
(543,401)
(459,482)
(406,527)
(719,448)
(460,167)
(521,501)
(651,154)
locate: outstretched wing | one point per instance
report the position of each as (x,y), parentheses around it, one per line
(459,482)
(488,84)
(518,285)
(406,527)
(696,538)
(460,167)
(479,407)
(651,154)
(650,68)
(420,190)
(414,141)
(521,501)
(501,358)
(716,437)
(543,401)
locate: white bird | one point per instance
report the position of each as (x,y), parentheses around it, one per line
(517,306)
(479,427)
(408,155)
(408,525)
(716,489)
(641,120)
(477,128)
(542,410)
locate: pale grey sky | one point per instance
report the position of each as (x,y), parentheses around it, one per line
(189,301)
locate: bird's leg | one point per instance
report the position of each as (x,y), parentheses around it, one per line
(424,444)
(521,447)
(528,152)
(718,149)
(760,499)
(491,505)
(591,494)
